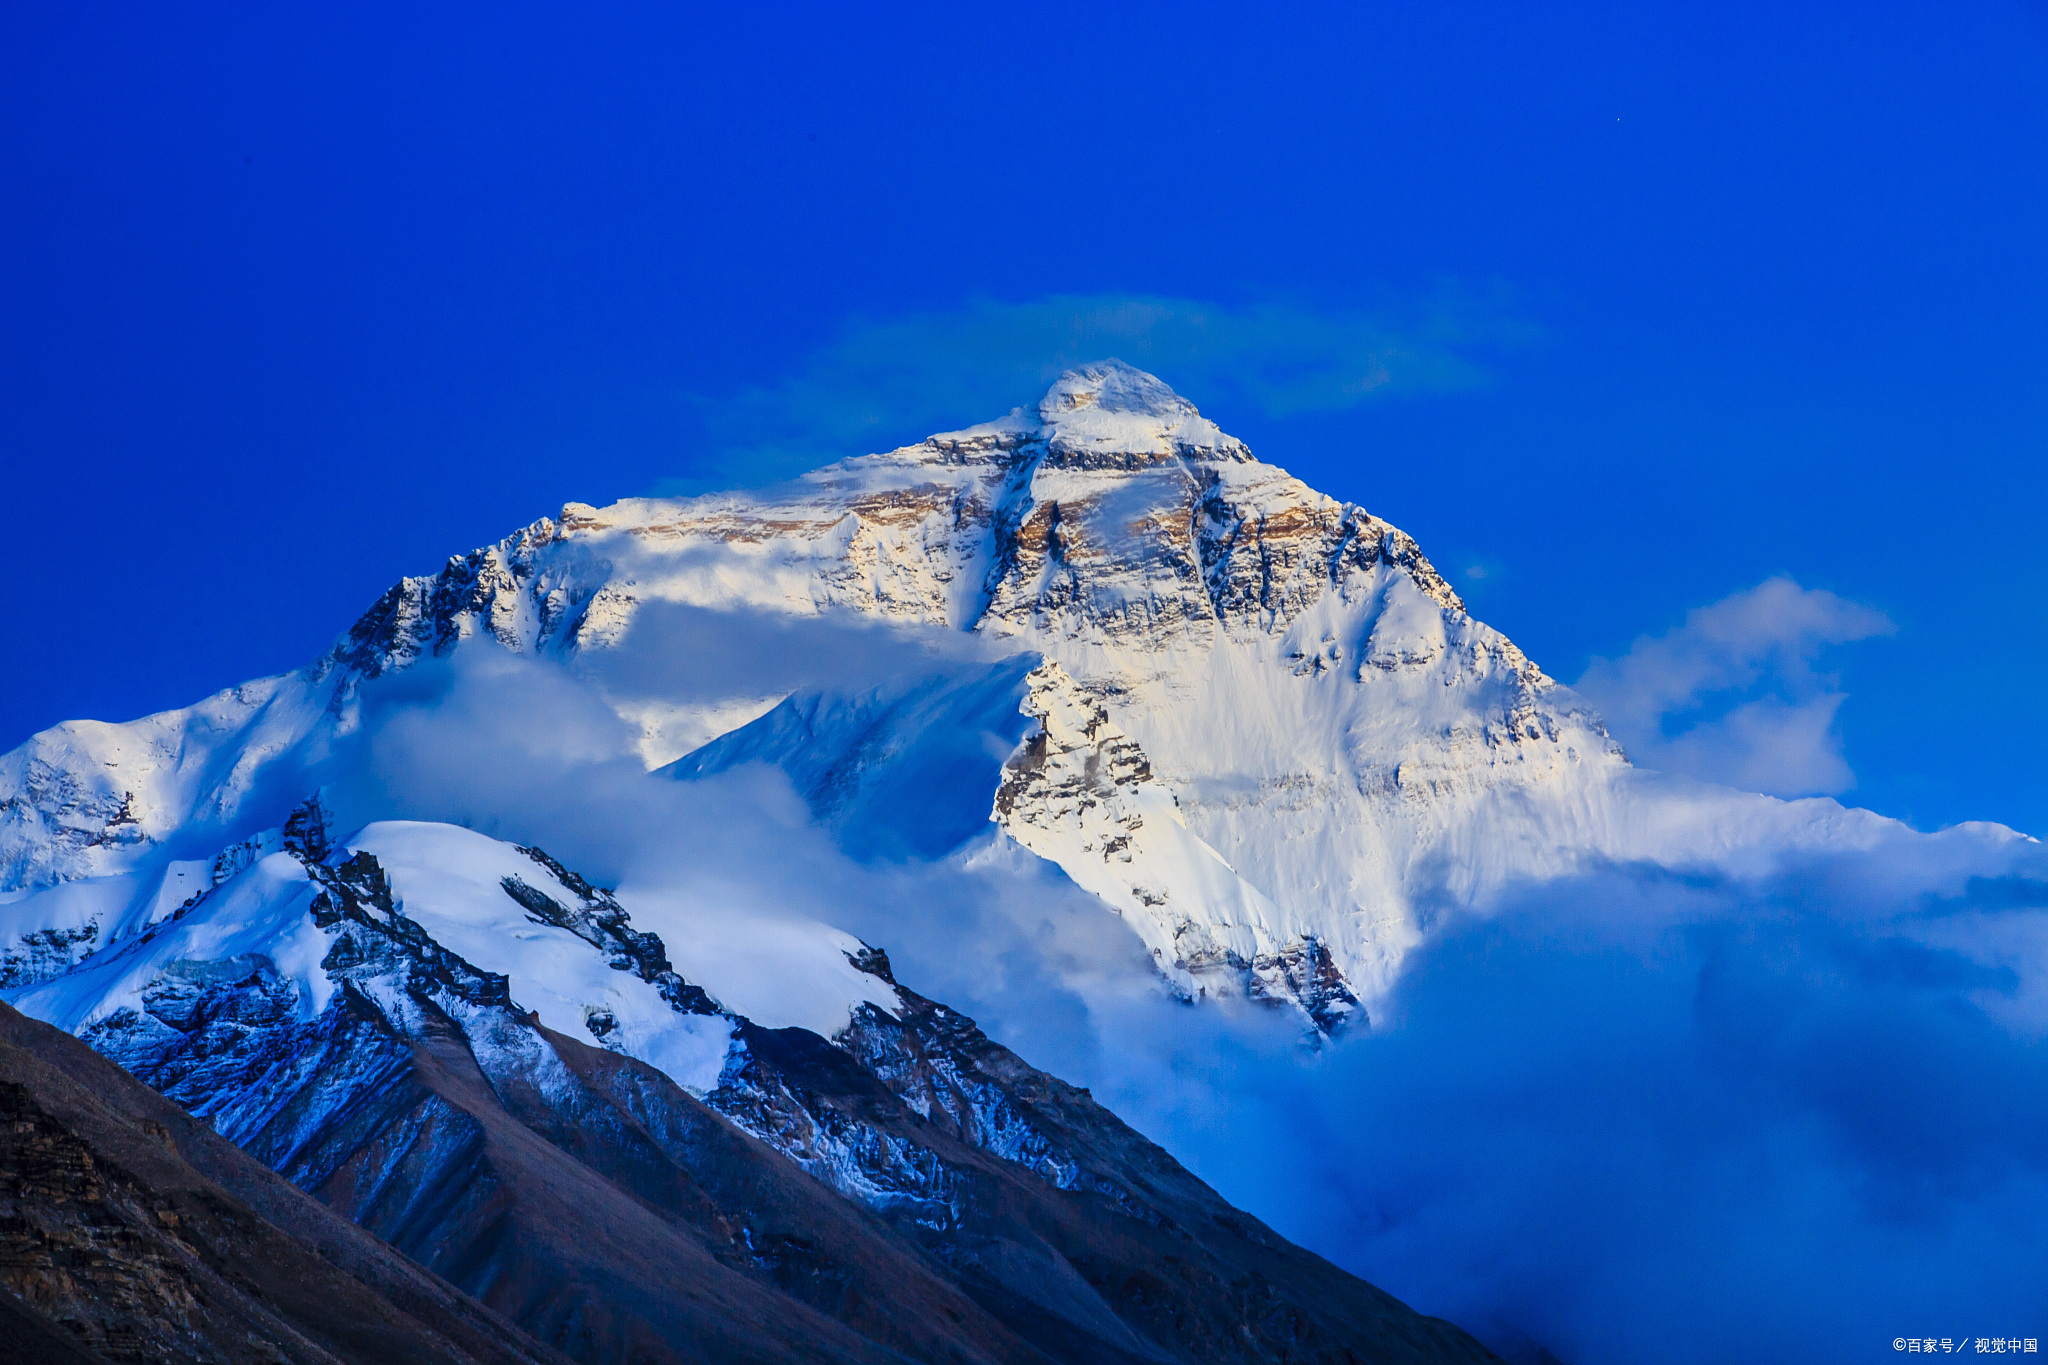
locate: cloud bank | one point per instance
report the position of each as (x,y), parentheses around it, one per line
(1786,1103)
(1642,1114)
(1732,695)
(887,383)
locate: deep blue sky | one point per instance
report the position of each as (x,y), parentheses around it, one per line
(1684,297)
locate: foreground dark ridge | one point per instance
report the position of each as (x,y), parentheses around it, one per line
(131,1232)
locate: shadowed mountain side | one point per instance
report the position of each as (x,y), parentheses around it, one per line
(902,769)
(587,1196)
(130,1231)
(1108,1237)
(555,1206)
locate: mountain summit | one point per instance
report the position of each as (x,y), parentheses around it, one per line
(1113,407)
(1261,714)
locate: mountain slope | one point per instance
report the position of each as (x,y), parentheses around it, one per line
(475,1053)
(128,1231)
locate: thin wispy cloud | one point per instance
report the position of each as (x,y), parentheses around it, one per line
(1733,694)
(885,383)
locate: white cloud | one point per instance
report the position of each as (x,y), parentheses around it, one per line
(1658,698)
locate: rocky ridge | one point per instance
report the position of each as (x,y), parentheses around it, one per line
(990,1212)
(128,1232)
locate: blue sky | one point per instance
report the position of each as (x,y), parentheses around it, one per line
(1630,308)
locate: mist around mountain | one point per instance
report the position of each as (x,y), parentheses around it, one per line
(1188,785)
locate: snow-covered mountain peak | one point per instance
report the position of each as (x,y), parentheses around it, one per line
(1271,716)
(1112,386)
(1111,407)
(1102,415)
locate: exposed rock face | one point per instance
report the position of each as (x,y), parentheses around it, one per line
(507,591)
(53,817)
(40,954)
(130,1233)
(1302,973)
(1081,793)
(599,920)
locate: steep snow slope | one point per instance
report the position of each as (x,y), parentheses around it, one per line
(505,911)
(1326,738)
(903,768)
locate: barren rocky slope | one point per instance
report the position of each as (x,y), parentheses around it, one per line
(130,1232)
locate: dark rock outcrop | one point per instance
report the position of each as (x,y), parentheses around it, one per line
(131,1232)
